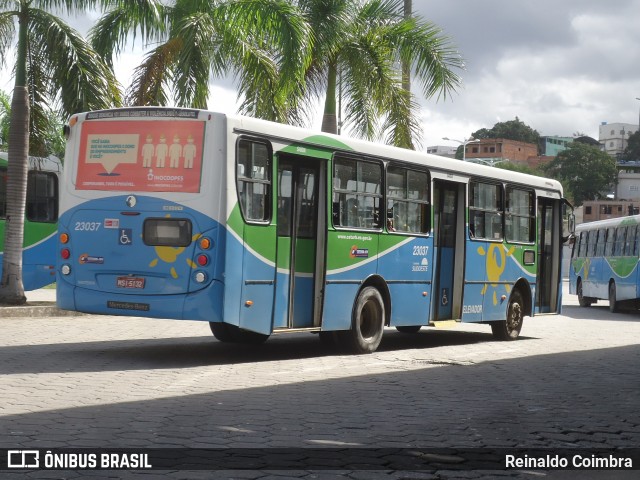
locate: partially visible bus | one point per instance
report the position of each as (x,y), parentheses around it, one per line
(604,262)
(261,228)
(41,215)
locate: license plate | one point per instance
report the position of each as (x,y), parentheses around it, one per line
(130,282)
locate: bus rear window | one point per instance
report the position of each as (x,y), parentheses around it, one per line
(168,232)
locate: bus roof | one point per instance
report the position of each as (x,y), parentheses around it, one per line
(609,223)
(291,134)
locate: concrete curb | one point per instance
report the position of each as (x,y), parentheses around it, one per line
(35,309)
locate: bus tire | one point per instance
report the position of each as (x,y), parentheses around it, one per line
(409,328)
(509,329)
(225,332)
(613,303)
(367,323)
(221,331)
(582,300)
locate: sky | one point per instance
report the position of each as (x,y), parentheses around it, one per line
(561,67)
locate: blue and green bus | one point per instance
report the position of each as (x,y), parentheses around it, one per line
(260,228)
(41,215)
(604,262)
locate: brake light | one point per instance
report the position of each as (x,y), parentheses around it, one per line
(65,253)
(202,260)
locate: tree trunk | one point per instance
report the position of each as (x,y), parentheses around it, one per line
(330,118)
(11,287)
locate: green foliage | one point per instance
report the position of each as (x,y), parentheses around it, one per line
(285,55)
(5,119)
(511,130)
(263,43)
(361,44)
(632,151)
(45,130)
(584,170)
(63,73)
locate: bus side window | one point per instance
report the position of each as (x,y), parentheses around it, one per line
(582,246)
(357,193)
(576,246)
(253,181)
(601,242)
(628,242)
(591,243)
(609,246)
(486,210)
(407,200)
(618,249)
(42,197)
(636,242)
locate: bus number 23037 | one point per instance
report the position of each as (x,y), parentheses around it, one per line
(420,250)
(88,226)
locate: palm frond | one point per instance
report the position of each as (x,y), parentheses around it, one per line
(152,78)
(433,57)
(192,64)
(147,18)
(38,83)
(83,81)
(7,33)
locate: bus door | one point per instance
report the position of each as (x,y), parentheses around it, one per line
(448,222)
(549,252)
(301,214)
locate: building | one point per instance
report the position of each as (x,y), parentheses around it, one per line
(443,151)
(614,137)
(496,150)
(551,146)
(604,209)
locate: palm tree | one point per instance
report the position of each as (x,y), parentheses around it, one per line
(53,65)
(263,42)
(365,43)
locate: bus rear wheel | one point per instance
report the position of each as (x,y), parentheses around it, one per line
(367,324)
(582,300)
(509,329)
(221,331)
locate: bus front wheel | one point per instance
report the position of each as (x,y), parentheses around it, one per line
(367,323)
(509,329)
(221,331)
(582,300)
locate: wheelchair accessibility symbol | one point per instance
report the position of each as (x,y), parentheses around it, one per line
(125,236)
(444,300)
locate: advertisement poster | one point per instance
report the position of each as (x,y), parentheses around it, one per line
(142,156)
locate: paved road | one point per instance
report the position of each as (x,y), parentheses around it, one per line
(100,381)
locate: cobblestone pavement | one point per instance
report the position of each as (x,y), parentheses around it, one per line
(571,381)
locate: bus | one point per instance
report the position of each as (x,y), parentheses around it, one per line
(604,262)
(260,228)
(40,223)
